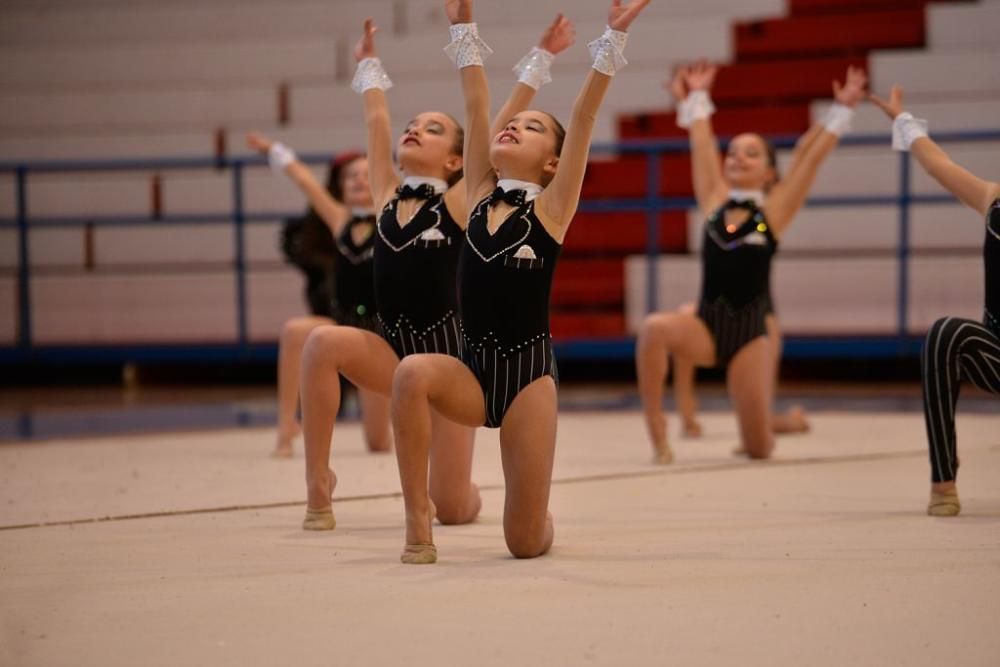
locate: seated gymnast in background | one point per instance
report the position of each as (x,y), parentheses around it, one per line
(747,210)
(684,372)
(526,180)
(956,349)
(421,229)
(347,210)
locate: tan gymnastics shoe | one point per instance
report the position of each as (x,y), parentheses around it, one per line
(319,520)
(662,454)
(944,504)
(419,554)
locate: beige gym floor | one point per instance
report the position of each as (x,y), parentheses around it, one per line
(822,556)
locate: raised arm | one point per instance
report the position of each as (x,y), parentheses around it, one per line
(559,201)
(282,158)
(974,192)
(788,196)
(533,72)
(690,86)
(372,82)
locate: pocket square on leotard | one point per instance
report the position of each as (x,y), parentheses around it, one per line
(755,238)
(525,252)
(432,234)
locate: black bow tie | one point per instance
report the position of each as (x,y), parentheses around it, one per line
(748,204)
(515,198)
(422,191)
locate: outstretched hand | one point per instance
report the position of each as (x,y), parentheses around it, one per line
(894,106)
(676,85)
(365,47)
(458,11)
(258,142)
(621,14)
(559,36)
(853,90)
(700,75)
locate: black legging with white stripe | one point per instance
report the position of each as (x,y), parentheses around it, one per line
(956,350)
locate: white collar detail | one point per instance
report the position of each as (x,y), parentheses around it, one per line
(358,212)
(756,196)
(531,190)
(439,186)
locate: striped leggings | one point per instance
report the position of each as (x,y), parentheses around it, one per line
(956,349)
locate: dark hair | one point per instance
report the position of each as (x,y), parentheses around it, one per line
(560,133)
(338,171)
(457,149)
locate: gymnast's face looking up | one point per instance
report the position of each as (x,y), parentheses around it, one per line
(749,163)
(528,147)
(354,184)
(431,146)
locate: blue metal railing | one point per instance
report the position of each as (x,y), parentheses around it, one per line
(652,204)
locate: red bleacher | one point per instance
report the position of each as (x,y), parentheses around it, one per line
(781,65)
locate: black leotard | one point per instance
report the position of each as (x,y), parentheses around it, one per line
(505,280)
(736,280)
(354,281)
(415,280)
(991,265)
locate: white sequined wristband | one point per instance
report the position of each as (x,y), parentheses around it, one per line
(906,129)
(279,156)
(467,49)
(697,106)
(535,69)
(370,74)
(838,119)
(608,51)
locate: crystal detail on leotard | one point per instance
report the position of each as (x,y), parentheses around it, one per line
(535,68)
(608,51)
(906,129)
(467,49)
(370,75)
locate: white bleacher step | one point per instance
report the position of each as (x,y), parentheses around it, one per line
(274,295)
(973,73)
(188,307)
(98,194)
(158,111)
(119,67)
(96,146)
(959,115)
(179,23)
(839,296)
(962,27)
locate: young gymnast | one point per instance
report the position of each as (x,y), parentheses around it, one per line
(507,376)
(348,213)
(747,210)
(956,349)
(420,233)
(792,421)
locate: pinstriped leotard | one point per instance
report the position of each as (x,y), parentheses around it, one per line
(736,280)
(505,280)
(416,280)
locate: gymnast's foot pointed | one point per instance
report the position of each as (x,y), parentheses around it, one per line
(320,517)
(944,500)
(419,549)
(793,421)
(662,454)
(691,429)
(283,447)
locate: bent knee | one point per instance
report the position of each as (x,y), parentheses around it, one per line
(410,377)
(528,547)
(454,509)
(760,449)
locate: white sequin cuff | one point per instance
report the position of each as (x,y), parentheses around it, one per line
(535,68)
(906,129)
(696,106)
(467,49)
(838,119)
(608,51)
(279,156)
(370,74)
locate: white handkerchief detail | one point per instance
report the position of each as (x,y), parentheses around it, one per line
(755,238)
(432,234)
(525,252)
